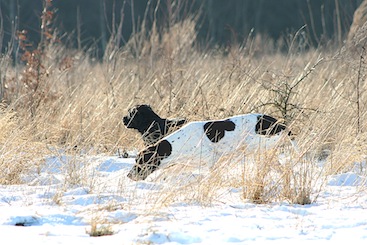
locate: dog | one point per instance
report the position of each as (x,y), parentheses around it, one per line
(151,126)
(207,141)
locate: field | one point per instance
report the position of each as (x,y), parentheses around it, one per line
(109,208)
(63,177)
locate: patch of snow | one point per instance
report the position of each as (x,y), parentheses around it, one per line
(347,179)
(50,211)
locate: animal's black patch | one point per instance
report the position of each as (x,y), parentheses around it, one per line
(164,148)
(267,125)
(149,160)
(215,131)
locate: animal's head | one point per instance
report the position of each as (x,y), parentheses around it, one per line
(149,160)
(139,117)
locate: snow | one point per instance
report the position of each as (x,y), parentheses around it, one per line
(63,198)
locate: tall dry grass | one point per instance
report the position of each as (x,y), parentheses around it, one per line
(75,103)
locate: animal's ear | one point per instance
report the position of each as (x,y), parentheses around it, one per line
(164,148)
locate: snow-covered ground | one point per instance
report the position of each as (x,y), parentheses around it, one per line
(67,195)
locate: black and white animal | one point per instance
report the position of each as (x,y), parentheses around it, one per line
(207,141)
(151,126)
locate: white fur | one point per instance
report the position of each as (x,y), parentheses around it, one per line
(191,144)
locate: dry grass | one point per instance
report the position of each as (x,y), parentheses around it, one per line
(97,229)
(77,103)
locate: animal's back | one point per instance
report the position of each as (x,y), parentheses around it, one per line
(188,138)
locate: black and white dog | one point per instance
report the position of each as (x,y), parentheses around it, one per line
(207,141)
(151,126)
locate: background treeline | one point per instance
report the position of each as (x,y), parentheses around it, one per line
(89,23)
